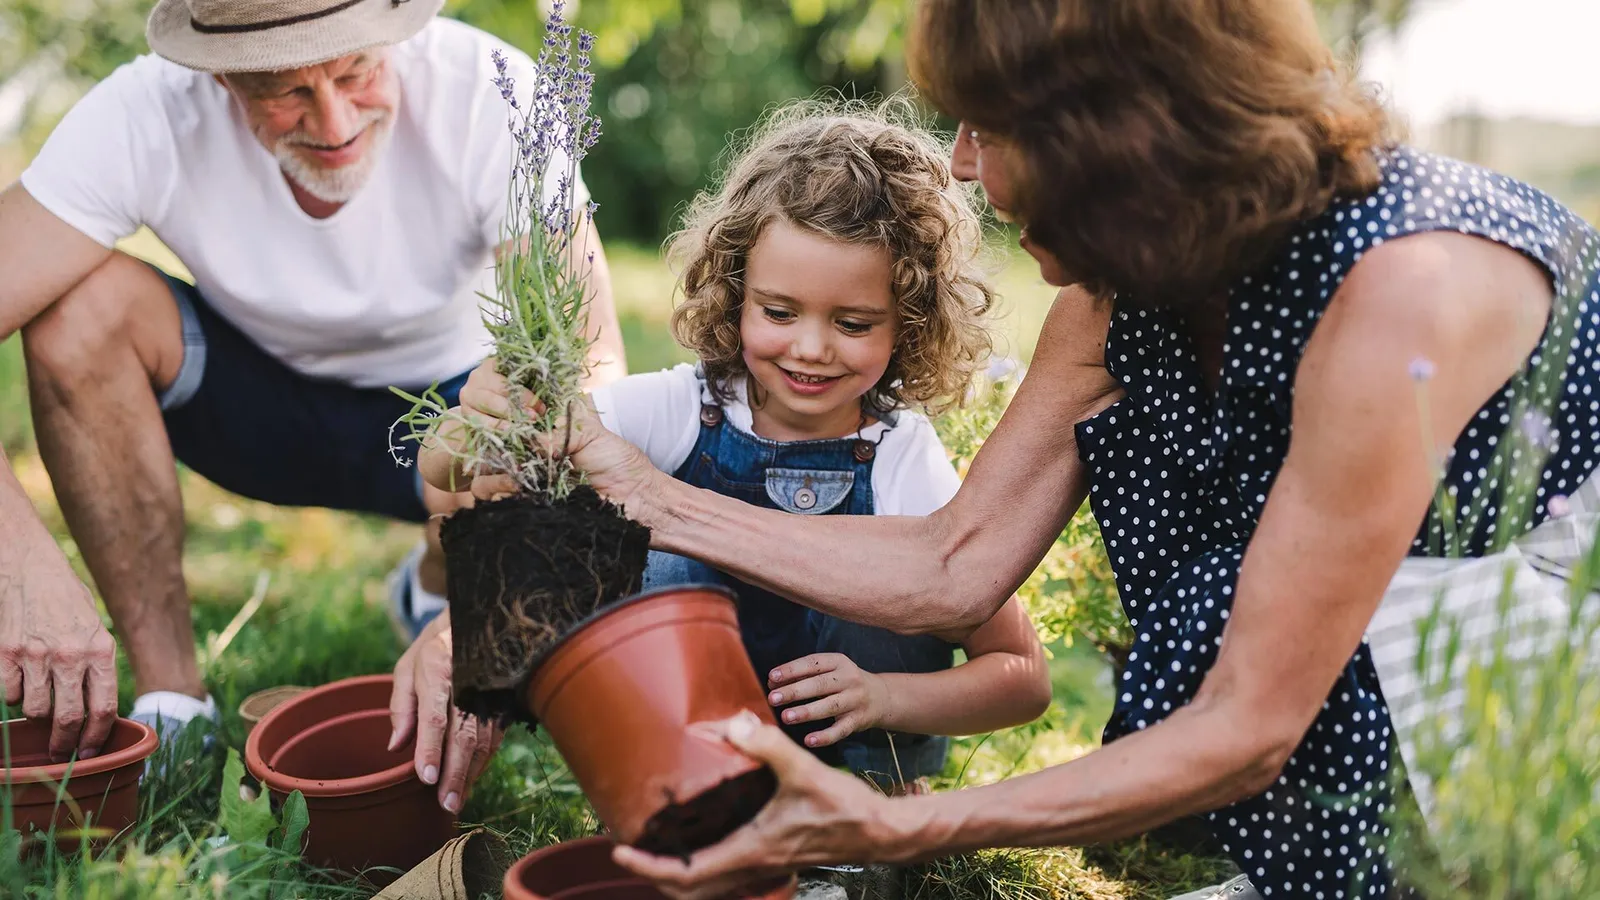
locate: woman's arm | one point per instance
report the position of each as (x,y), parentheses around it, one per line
(949,572)
(1341,515)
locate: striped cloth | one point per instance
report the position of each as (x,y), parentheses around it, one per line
(1470,595)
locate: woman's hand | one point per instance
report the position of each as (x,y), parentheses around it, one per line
(614,467)
(452,747)
(854,699)
(819,816)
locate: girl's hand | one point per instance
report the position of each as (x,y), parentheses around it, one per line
(854,699)
(819,816)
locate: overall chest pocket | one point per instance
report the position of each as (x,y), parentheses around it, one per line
(809,492)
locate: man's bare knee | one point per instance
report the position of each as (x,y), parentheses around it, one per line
(122,305)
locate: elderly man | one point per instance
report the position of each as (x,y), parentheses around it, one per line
(334,173)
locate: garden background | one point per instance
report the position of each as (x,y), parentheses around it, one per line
(288,596)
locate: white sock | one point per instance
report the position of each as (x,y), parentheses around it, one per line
(424,601)
(174,707)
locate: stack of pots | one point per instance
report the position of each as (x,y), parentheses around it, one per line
(366,804)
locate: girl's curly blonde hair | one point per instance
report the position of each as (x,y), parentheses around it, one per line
(857,174)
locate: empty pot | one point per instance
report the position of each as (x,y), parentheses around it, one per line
(102,793)
(583,870)
(621,695)
(366,804)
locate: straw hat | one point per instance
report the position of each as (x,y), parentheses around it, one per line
(273,35)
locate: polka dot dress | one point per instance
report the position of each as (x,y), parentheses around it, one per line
(1179,478)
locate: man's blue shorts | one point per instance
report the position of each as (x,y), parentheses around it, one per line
(252,425)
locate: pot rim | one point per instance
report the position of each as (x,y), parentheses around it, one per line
(633,599)
(513,875)
(140,751)
(372,782)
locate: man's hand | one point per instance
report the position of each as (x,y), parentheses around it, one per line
(452,747)
(615,468)
(53,642)
(854,699)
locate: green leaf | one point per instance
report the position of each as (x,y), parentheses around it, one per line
(245,821)
(295,821)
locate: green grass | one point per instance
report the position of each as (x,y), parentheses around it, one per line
(323,619)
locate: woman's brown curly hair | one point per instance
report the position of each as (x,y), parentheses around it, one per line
(1166,146)
(859,175)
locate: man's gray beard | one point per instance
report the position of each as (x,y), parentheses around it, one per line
(335,185)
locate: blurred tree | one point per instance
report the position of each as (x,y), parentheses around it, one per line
(676,80)
(1348,23)
(51,51)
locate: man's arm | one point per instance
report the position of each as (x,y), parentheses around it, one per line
(50,632)
(41,258)
(608,359)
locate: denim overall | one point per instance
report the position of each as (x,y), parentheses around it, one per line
(832,477)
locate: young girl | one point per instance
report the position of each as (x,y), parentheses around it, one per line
(831,285)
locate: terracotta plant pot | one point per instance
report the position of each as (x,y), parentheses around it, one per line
(367,805)
(102,793)
(621,695)
(583,870)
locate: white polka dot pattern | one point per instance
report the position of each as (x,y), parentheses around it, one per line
(1179,479)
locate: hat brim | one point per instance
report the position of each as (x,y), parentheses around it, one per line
(370,23)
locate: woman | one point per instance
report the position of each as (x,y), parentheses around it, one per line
(1260,283)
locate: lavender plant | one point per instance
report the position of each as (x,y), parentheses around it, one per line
(524,570)
(538,317)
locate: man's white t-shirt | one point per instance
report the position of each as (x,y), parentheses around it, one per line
(659,412)
(384,291)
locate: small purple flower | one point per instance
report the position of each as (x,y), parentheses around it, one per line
(499,62)
(1558,506)
(1536,427)
(1422,369)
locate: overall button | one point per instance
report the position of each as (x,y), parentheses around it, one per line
(805,498)
(864,451)
(710,415)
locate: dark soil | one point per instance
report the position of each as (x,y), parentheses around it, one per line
(680,829)
(522,571)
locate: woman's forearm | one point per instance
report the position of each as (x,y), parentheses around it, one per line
(887,571)
(989,692)
(1199,759)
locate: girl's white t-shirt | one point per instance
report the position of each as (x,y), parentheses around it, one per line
(384,291)
(659,412)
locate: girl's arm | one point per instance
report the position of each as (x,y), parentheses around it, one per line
(1004,682)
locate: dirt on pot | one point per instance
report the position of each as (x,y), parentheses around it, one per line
(522,572)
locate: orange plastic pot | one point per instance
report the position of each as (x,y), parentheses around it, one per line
(621,695)
(583,870)
(101,794)
(367,806)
